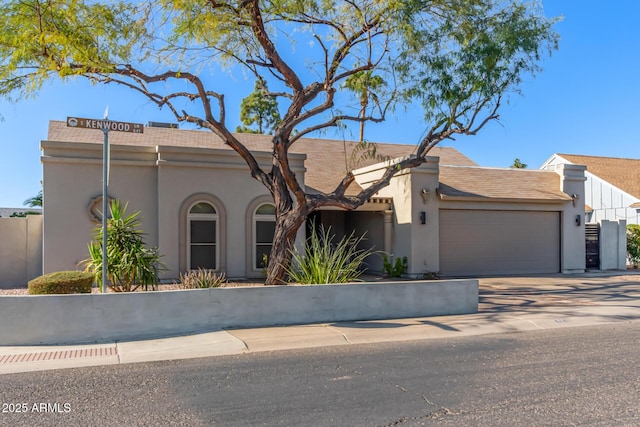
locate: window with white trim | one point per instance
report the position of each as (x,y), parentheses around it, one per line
(264,226)
(202,233)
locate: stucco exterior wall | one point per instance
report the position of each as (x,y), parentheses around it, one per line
(73,178)
(573,249)
(414,193)
(422,241)
(160,182)
(412,239)
(163,182)
(192,173)
(20,250)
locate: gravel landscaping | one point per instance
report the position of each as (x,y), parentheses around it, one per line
(165,287)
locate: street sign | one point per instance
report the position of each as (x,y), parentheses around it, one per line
(108,125)
(105,126)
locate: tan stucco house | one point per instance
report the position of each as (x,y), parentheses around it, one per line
(202,208)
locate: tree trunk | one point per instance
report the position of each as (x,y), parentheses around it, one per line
(283,241)
(363,111)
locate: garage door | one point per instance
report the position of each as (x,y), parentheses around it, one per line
(478,242)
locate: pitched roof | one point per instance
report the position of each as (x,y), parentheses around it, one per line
(623,173)
(326,162)
(494,183)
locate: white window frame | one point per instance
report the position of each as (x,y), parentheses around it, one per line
(203,217)
(254,237)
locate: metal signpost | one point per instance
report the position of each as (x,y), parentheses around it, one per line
(105,126)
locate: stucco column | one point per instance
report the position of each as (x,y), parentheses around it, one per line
(572,242)
(388,231)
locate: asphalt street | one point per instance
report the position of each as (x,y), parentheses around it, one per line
(565,376)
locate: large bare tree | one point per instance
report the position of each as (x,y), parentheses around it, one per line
(455,59)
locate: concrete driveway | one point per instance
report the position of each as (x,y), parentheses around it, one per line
(594,297)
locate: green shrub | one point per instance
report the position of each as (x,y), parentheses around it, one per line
(396,269)
(201,278)
(324,262)
(633,244)
(130,263)
(61,282)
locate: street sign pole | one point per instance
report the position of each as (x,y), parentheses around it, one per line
(105,192)
(105,126)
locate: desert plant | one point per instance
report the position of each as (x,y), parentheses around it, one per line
(431,275)
(131,264)
(394,269)
(61,282)
(265,264)
(633,244)
(202,278)
(324,262)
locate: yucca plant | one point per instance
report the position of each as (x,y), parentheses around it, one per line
(324,262)
(131,264)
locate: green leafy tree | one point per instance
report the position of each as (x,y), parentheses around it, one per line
(259,109)
(457,60)
(517,164)
(131,264)
(633,244)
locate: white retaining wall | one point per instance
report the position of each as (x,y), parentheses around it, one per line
(67,319)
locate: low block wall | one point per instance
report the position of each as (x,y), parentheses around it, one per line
(68,319)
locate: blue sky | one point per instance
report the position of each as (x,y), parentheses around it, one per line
(585,101)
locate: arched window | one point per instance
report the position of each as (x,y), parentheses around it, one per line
(264,226)
(203,237)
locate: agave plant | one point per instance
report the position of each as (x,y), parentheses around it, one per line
(131,264)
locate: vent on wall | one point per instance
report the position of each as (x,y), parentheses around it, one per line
(162,125)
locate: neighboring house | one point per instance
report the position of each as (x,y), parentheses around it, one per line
(612,188)
(201,207)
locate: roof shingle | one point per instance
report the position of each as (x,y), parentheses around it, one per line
(327,160)
(623,173)
(493,183)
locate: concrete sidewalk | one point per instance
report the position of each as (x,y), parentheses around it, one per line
(507,304)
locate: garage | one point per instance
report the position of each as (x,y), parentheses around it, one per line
(486,242)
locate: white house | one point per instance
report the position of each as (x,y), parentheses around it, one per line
(201,207)
(612,191)
(612,188)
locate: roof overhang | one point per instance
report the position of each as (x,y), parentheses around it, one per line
(480,199)
(374,204)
